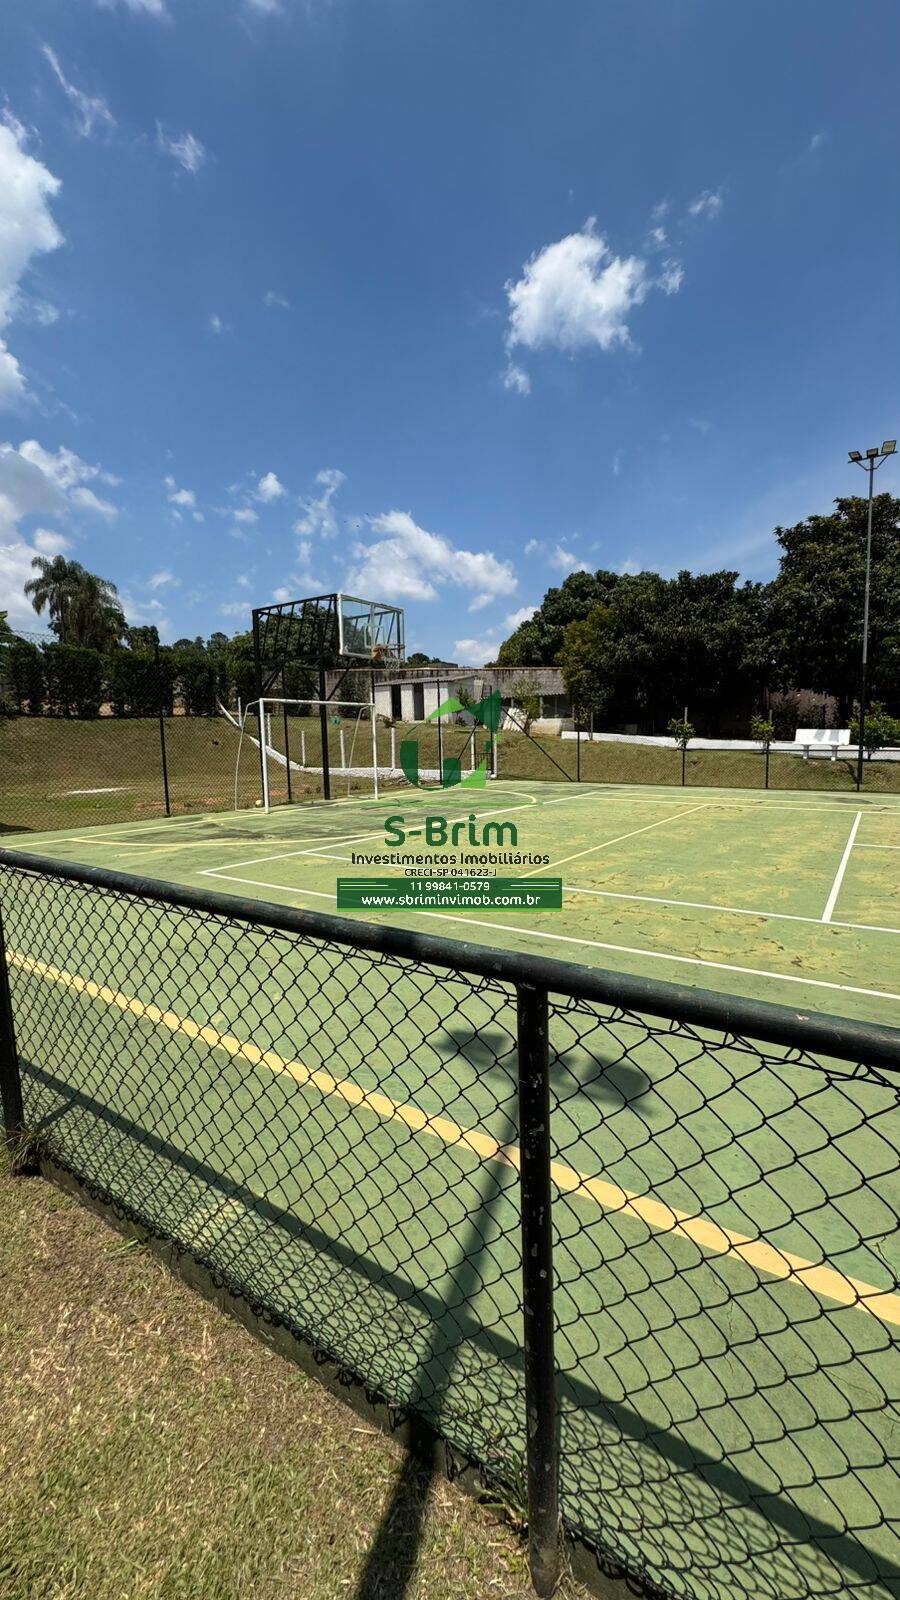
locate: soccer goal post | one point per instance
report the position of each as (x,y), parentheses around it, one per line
(297,738)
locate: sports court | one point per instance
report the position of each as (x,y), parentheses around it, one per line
(787,898)
(336,1128)
(344,1136)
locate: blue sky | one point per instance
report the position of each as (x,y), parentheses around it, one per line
(436,302)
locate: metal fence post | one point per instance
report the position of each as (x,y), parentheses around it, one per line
(162,730)
(10,1078)
(537,1287)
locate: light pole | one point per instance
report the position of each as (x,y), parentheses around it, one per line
(874,459)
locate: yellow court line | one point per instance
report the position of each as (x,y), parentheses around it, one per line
(824,1281)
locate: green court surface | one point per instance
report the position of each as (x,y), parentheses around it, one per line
(340,1134)
(790,898)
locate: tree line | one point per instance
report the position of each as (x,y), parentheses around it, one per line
(136,677)
(96,659)
(639,648)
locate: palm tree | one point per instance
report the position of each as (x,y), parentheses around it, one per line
(84,608)
(96,619)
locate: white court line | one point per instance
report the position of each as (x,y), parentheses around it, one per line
(591,848)
(878,847)
(590,944)
(839,875)
(735,911)
(360,838)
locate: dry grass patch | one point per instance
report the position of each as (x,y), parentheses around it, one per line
(150,1448)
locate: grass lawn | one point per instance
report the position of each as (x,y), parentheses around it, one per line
(151,1448)
(63,774)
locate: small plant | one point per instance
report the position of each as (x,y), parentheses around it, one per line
(526,697)
(682,733)
(881,730)
(762,729)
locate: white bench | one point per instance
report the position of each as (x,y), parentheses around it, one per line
(828,739)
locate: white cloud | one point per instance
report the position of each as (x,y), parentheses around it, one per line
(574,294)
(235,608)
(13,388)
(185,148)
(407,561)
(617,464)
(516,378)
(143,611)
(816,141)
(50,543)
(707,204)
(163,580)
(657,239)
(87,500)
(26,230)
(567,561)
(64,467)
(270,298)
(34,482)
(91,111)
(245,514)
(516,618)
(216,325)
(149,8)
(280,595)
(269,488)
(179,497)
(475,652)
(39,312)
(319,518)
(671,278)
(532,545)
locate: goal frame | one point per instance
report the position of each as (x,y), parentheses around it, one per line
(266,750)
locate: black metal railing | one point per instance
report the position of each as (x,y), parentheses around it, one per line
(631,1245)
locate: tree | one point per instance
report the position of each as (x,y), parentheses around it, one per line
(26,677)
(682,732)
(84,609)
(526,698)
(881,729)
(144,639)
(762,729)
(6,633)
(817,602)
(538,642)
(657,644)
(74,680)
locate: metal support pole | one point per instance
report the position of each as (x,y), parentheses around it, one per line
(264,754)
(257,679)
(374,733)
(162,730)
(537,1288)
(287,751)
(323,726)
(865,647)
(577,749)
(440,733)
(10,1076)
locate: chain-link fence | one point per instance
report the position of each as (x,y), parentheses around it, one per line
(630,1245)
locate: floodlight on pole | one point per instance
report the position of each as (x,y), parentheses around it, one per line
(875,458)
